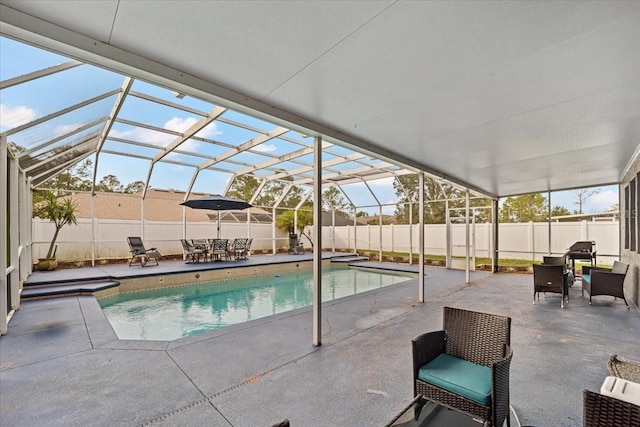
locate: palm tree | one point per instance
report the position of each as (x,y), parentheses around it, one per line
(60,213)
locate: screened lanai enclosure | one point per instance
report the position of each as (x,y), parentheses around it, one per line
(396,162)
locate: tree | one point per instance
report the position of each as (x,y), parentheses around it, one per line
(525,208)
(286,221)
(76,178)
(110,184)
(243,187)
(560,211)
(582,195)
(333,200)
(60,213)
(435,194)
(362,214)
(134,187)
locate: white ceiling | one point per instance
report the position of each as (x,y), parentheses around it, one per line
(507,97)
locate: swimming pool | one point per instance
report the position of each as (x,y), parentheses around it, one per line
(172,313)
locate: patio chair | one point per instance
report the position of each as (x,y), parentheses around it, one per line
(550,278)
(605,281)
(191,251)
(219,248)
(239,249)
(466,365)
(204,245)
(605,411)
(139,252)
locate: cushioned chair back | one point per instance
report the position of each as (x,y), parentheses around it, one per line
(477,337)
(619,267)
(548,276)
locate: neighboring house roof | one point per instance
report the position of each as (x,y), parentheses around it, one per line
(610,215)
(159,205)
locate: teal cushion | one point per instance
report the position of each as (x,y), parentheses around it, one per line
(460,377)
(586,278)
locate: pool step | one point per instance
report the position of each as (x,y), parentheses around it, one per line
(349,259)
(32,293)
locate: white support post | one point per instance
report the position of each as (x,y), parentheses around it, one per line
(317,239)
(549,222)
(421,239)
(380,231)
(274,249)
(333,230)
(25,224)
(410,233)
(355,228)
(14,227)
(93,230)
(467,275)
(447,237)
(3,238)
(531,239)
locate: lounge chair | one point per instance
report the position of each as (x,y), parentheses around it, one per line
(139,252)
(191,251)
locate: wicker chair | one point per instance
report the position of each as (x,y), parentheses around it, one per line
(603,281)
(550,278)
(481,338)
(605,411)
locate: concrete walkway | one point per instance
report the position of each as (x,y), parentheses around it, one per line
(62,365)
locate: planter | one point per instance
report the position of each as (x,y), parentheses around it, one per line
(47,264)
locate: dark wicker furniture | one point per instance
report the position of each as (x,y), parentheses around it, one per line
(602,281)
(550,278)
(480,338)
(605,411)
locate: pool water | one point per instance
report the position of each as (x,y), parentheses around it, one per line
(172,313)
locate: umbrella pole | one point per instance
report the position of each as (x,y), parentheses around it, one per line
(218,224)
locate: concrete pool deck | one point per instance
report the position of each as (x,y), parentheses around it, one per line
(61,363)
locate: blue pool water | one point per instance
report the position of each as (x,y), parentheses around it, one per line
(171,313)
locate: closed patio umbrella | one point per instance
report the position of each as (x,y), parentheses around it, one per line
(217,203)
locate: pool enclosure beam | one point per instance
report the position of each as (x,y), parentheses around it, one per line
(421,238)
(317,238)
(4,217)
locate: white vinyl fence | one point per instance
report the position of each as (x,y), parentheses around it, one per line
(515,240)
(521,240)
(74,242)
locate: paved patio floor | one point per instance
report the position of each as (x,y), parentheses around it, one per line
(62,365)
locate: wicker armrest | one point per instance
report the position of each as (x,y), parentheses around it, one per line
(601,411)
(587,269)
(427,347)
(500,386)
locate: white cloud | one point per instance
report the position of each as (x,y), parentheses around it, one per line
(383,182)
(11,117)
(266,148)
(602,201)
(64,129)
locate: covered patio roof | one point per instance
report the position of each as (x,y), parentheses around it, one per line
(502,98)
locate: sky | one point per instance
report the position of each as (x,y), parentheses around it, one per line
(25,102)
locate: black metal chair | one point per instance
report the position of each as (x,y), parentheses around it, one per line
(141,253)
(191,251)
(550,278)
(468,336)
(219,248)
(294,244)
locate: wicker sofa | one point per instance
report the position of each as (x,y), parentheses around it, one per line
(466,365)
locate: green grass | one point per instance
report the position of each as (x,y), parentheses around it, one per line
(502,262)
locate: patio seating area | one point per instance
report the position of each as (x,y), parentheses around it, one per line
(64,365)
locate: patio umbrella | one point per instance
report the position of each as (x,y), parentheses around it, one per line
(217,203)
